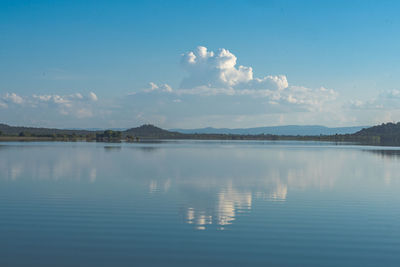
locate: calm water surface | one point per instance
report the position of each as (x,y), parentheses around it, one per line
(199,204)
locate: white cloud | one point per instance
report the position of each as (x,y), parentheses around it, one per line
(216,87)
(278,82)
(12,98)
(167,88)
(206,91)
(213,69)
(76,104)
(216,92)
(386,100)
(153,87)
(385,107)
(363,104)
(219,70)
(93,96)
(211,74)
(64,99)
(391,94)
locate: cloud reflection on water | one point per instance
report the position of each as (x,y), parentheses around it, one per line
(42,164)
(213,185)
(229,203)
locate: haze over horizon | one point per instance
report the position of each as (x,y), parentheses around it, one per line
(100,64)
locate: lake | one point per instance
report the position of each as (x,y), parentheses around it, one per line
(199,203)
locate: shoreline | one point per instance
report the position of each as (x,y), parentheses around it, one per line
(324,139)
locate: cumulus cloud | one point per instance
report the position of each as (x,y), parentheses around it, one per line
(64,99)
(153,87)
(93,97)
(216,91)
(216,73)
(213,69)
(219,70)
(76,104)
(12,98)
(278,82)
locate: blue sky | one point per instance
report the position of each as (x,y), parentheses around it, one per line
(124,63)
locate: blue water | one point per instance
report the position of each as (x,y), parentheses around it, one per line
(197,203)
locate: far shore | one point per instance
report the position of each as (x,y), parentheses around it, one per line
(203,137)
(34,138)
(385,134)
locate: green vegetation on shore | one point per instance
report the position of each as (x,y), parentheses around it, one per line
(385,134)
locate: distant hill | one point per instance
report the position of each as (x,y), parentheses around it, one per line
(276,130)
(386,133)
(144,131)
(383,129)
(15,130)
(96,129)
(151,131)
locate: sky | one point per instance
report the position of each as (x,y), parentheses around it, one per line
(192,64)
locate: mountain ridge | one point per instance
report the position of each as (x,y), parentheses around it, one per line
(149,130)
(385,134)
(276,130)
